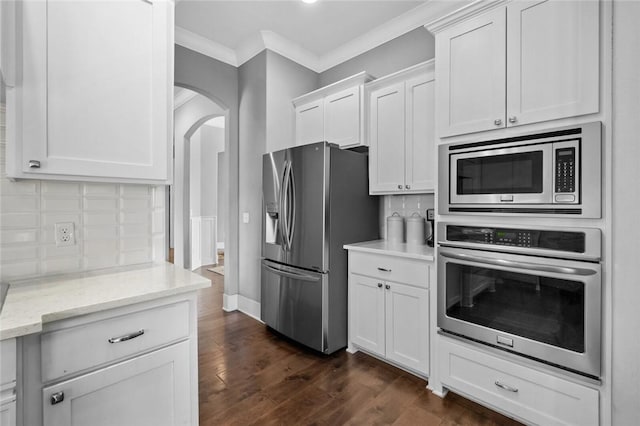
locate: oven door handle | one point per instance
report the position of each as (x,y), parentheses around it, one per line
(519,265)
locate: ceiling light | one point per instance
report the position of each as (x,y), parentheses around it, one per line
(309,1)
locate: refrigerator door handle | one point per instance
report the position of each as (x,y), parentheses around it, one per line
(283,207)
(291,222)
(297,276)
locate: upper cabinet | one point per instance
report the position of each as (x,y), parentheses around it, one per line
(520,63)
(333,113)
(401,131)
(93,93)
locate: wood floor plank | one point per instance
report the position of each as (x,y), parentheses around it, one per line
(251,375)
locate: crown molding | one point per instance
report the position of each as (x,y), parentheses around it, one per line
(205,46)
(430,12)
(470,10)
(291,50)
(402,24)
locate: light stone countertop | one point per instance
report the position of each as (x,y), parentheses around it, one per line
(32,303)
(410,251)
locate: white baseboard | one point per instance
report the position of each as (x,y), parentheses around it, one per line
(238,302)
(249,307)
(229,302)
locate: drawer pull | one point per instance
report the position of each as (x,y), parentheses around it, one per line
(379,285)
(506,387)
(384,269)
(126,337)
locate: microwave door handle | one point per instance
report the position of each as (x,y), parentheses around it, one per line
(518,265)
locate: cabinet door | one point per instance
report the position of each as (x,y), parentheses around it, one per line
(8,414)
(342,117)
(552,60)
(471,75)
(152,389)
(97,105)
(366,313)
(420,134)
(407,326)
(387,134)
(310,123)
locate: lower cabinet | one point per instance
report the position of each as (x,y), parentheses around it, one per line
(390,319)
(129,366)
(8,359)
(526,394)
(151,389)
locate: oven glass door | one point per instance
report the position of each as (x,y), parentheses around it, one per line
(503,176)
(545,308)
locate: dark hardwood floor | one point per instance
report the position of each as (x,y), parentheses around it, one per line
(249,375)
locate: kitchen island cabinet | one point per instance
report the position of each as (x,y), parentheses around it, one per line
(83,106)
(389,312)
(8,367)
(503,65)
(118,347)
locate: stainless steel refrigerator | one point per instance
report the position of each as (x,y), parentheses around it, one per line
(315,200)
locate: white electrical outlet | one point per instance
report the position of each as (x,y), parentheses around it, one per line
(65,235)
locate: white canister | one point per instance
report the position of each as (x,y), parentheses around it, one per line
(415,229)
(395,228)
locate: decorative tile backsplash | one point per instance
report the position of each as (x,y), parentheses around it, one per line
(114,224)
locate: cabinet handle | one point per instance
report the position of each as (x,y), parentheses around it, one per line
(384,269)
(126,337)
(387,286)
(399,186)
(506,387)
(408,186)
(379,285)
(513,119)
(57,398)
(34,164)
(497,122)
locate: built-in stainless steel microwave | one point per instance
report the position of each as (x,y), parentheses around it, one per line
(556,172)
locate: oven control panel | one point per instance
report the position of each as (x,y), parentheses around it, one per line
(529,238)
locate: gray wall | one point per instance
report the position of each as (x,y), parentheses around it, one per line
(625,204)
(286,80)
(409,49)
(212,143)
(252,130)
(219,82)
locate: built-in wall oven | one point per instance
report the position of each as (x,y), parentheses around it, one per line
(555,172)
(533,291)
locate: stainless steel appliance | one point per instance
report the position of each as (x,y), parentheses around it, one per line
(316,199)
(534,291)
(555,172)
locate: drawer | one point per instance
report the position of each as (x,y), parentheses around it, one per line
(84,346)
(8,358)
(390,268)
(525,393)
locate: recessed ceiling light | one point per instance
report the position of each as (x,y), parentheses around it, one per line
(309,1)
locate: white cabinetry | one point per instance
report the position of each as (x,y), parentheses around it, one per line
(526,394)
(134,365)
(389,309)
(401,131)
(333,113)
(520,63)
(151,389)
(8,359)
(87,106)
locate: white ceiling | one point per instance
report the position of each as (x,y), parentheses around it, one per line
(318,35)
